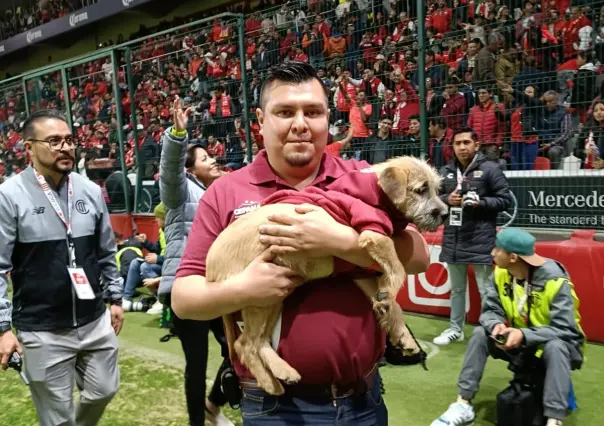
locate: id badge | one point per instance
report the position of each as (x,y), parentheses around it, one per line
(455,216)
(80,283)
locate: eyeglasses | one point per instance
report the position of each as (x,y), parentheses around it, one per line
(56,142)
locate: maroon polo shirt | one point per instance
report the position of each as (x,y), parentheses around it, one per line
(329,332)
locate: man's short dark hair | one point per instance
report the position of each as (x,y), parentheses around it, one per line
(465,129)
(387,117)
(293,73)
(414,117)
(453,80)
(438,121)
(44,114)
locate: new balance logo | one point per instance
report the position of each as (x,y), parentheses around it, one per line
(38,210)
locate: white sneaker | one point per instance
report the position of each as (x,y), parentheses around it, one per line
(458,414)
(448,336)
(554,422)
(217,419)
(126,305)
(156,309)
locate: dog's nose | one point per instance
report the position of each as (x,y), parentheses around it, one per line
(436,212)
(440,213)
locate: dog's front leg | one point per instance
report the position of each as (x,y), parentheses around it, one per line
(381,249)
(393,321)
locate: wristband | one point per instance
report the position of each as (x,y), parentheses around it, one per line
(116,302)
(4,327)
(178,133)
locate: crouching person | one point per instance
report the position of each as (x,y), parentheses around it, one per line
(532,306)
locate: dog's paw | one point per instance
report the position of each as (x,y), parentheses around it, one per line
(408,345)
(271,386)
(288,376)
(381,308)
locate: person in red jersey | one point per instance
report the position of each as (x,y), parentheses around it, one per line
(327,330)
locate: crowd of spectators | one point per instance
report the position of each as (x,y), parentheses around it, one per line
(524,75)
(27,14)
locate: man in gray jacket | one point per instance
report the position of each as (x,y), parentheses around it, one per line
(530,307)
(185,173)
(56,240)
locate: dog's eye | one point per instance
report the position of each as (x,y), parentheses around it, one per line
(421,190)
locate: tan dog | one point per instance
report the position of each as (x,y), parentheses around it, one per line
(410,184)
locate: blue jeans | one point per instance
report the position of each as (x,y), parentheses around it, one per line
(261,409)
(523,155)
(138,271)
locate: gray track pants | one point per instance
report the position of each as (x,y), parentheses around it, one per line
(458,275)
(556,357)
(54,360)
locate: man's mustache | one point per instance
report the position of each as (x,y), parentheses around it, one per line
(66,157)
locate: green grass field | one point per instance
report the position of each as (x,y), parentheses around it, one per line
(151,392)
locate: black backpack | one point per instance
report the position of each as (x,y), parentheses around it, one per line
(520,404)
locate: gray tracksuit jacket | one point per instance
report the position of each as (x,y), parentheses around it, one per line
(34,250)
(180,193)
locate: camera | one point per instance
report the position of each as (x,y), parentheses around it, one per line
(231,388)
(469,197)
(16,364)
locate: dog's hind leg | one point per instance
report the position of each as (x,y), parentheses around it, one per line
(381,249)
(273,362)
(250,358)
(262,360)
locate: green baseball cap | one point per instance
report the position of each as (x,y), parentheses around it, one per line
(521,243)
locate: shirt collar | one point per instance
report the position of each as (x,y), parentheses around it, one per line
(261,171)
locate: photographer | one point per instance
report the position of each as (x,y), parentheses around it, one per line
(476,191)
(534,296)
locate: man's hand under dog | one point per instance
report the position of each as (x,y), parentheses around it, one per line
(263,283)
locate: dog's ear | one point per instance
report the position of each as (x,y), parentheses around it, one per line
(393,181)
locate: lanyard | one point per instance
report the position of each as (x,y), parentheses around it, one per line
(523,300)
(57,208)
(461,176)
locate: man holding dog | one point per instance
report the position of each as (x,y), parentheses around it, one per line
(328,331)
(531,308)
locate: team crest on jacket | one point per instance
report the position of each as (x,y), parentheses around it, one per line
(245,207)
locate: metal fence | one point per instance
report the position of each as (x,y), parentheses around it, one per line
(392,92)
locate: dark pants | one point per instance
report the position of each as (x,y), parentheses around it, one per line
(555,155)
(261,409)
(193,337)
(558,359)
(523,155)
